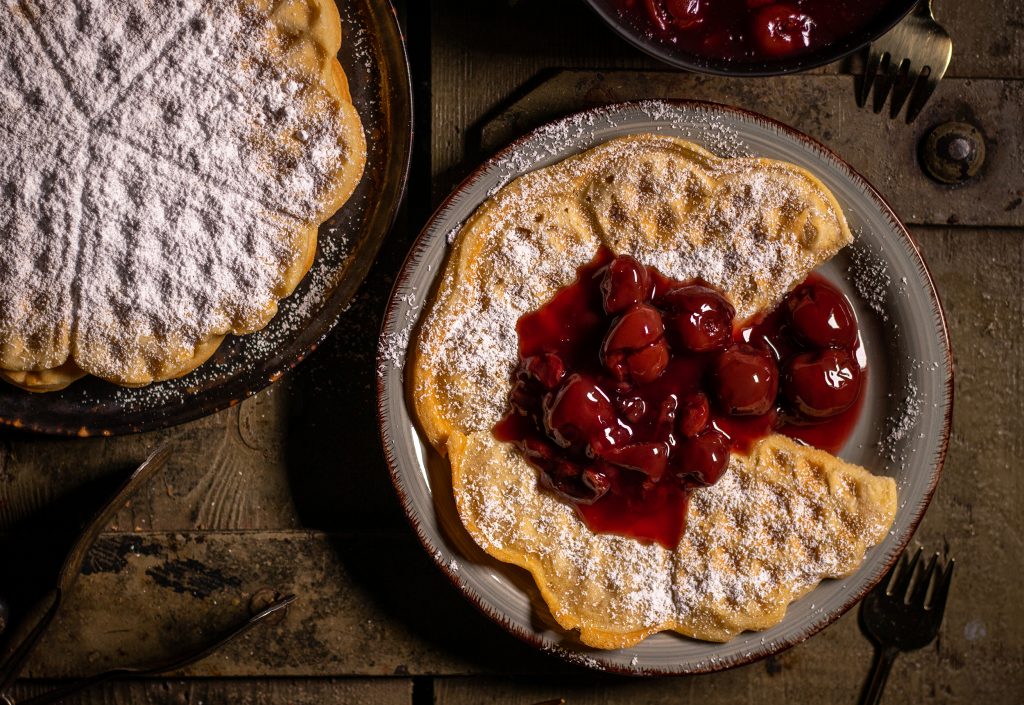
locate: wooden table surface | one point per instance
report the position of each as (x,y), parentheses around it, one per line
(289,490)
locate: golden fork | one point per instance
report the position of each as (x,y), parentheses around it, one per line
(911,59)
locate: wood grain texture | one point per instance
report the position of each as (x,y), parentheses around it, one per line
(988,37)
(313,509)
(293,456)
(218,691)
(883,150)
(486,55)
(231,459)
(373,603)
(368,604)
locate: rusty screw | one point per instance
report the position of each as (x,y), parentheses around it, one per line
(953,152)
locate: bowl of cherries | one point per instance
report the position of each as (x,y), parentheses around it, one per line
(633,389)
(750,37)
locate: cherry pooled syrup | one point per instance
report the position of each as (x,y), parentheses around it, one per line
(750,30)
(633,389)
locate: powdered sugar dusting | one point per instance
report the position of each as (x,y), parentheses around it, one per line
(483,347)
(204,158)
(549,142)
(760,537)
(902,421)
(871,279)
(759,260)
(700,217)
(768,531)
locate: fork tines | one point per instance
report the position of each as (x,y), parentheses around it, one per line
(925,585)
(909,61)
(902,79)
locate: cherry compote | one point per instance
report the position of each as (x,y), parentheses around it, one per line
(750,30)
(633,389)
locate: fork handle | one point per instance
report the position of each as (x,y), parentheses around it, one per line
(884,658)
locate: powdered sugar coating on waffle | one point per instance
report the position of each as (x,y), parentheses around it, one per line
(783,518)
(165,168)
(737,223)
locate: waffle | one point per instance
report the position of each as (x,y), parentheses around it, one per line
(783,518)
(172,163)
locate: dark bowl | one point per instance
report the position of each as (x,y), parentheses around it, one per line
(875,28)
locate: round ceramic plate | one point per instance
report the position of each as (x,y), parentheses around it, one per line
(902,431)
(373,56)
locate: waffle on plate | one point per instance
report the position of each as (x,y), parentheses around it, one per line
(783,517)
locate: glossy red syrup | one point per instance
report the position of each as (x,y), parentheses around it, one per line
(750,30)
(632,389)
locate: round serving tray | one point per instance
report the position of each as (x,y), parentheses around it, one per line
(902,432)
(375,63)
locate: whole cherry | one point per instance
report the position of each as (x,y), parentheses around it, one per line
(698,318)
(780,29)
(686,14)
(822,384)
(701,460)
(579,415)
(822,316)
(547,368)
(625,284)
(535,375)
(745,381)
(635,345)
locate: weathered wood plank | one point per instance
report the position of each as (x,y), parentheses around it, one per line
(796,677)
(371,605)
(988,37)
(302,453)
(310,458)
(484,53)
(219,447)
(884,150)
(235,691)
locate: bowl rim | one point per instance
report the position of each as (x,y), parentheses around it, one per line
(424,241)
(827,54)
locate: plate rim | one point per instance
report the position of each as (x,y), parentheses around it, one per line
(593,661)
(402,89)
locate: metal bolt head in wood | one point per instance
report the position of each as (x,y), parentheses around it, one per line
(953,152)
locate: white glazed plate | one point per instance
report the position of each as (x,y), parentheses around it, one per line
(902,431)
